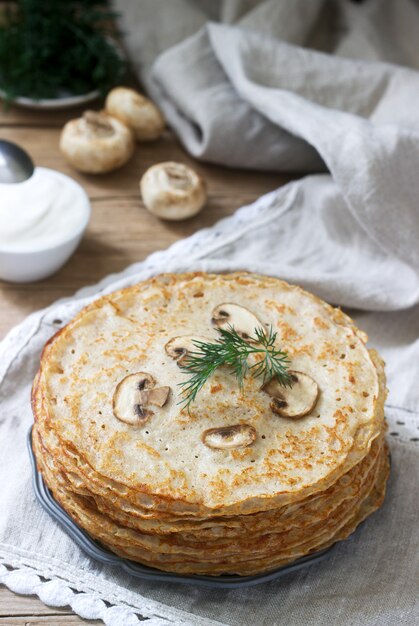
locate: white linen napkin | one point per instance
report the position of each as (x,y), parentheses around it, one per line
(242,95)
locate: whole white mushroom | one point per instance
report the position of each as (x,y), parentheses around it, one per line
(172,191)
(96,143)
(136,111)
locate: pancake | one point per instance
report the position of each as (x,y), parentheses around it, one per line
(168,554)
(308,510)
(257,566)
(150,485)
(126,332)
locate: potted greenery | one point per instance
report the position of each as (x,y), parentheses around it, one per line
(58,52)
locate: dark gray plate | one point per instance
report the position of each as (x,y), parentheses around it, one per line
(96,551)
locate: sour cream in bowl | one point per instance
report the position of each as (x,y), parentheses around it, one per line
(42,221)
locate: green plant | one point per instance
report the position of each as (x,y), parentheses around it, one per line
(50,48)
(233,351)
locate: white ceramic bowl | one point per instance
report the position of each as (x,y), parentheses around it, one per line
(25,266)
(54,104)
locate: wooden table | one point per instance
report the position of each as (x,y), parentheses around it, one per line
(121,232)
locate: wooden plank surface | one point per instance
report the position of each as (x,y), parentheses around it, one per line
(121,232)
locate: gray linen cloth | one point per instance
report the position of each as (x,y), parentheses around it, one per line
(247,93)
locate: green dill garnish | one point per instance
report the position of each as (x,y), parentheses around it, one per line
(58,48)
(232,350)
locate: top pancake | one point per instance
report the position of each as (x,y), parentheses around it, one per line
(126,332)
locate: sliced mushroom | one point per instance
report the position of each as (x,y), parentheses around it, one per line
(295,401)
(229,437)
(157,396)
(178,348)
(134,394)
(172,191)
(239,318)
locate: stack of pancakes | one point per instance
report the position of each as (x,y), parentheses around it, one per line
(147,485)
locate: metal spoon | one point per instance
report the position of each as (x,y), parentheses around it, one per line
(15,163)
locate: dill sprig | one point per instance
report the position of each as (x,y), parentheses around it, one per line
(231,350)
